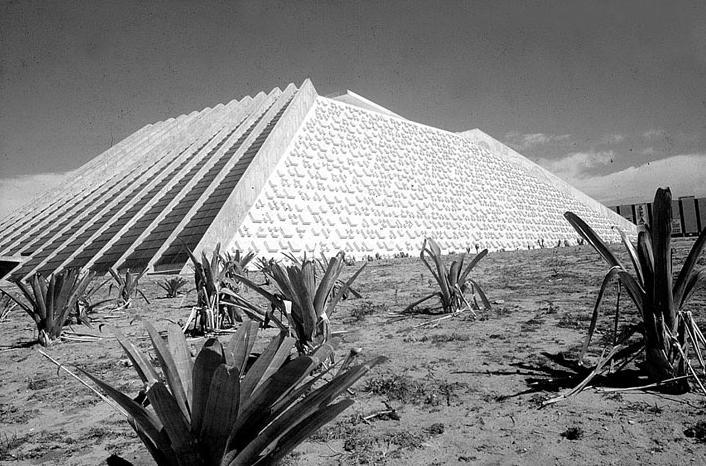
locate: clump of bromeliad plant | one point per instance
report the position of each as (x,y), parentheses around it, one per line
(669,333)
(49,302)
(219,302)
(230,406)
(453,282)
(173,285)
(306,301)
(127,286)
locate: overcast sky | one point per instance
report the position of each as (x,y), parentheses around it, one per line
(610,95)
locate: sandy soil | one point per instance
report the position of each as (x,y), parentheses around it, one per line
(463,391)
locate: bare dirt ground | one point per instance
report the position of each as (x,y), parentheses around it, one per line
(467,390)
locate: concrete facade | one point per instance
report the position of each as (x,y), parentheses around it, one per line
(293,171)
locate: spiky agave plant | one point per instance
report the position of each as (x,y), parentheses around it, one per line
(228,407)
(172,286)
(50,302)
(307,303)
(668,331)
(218,304)
(453,282)
(235,264)
(128,286)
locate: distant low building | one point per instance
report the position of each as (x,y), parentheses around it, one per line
(688,214)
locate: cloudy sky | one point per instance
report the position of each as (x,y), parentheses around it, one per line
(609,95)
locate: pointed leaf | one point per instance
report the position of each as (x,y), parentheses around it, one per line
(592,238)
(316,401)
(179,349)
(483,297)
(268,363)
(300,432)
(207,361)
(254,413)
(148,422)
(612,273)
(688,267)
(170,370)
(632,252)
(240,345)
(139,360)
(327,282)
(221,411)
(661,241)
(175,425)
(692,283)
(331,308)
(471,265)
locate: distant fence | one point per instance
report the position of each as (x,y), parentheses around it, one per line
(688,214)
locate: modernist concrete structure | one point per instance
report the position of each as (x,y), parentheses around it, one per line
(292,171)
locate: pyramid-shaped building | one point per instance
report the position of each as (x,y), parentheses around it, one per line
(292,171)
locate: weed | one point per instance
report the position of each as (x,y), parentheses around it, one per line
(573,433)
(172,286)
(403,388)
(367,308)
(697,432)
(9,443)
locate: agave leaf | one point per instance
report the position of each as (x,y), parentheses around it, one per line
(175,425)
(481,293)
(40,295)
(332,389)
(420,301)
(49,295)
(454,273)
(306,289)
(316,401)
(139,361)
(207,361)
(170,370)
(240,345)
(117,277)
(29,296)
(688,267)
(221,410)
(29,310)
(691,284)
(471,265)
(440,272)
(257,288)
(327,282)
(632,252)
(612,273)
(635,291)
(256,409)
(592,238)
(148,422)
(63,284)
(268,363)
(647,260)
(179,349)
(301,431)
(331,308)
(160,456)
(661,241)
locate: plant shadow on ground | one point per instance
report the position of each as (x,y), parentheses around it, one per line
(555,372)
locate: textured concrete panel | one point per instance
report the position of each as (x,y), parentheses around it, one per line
(369,183)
